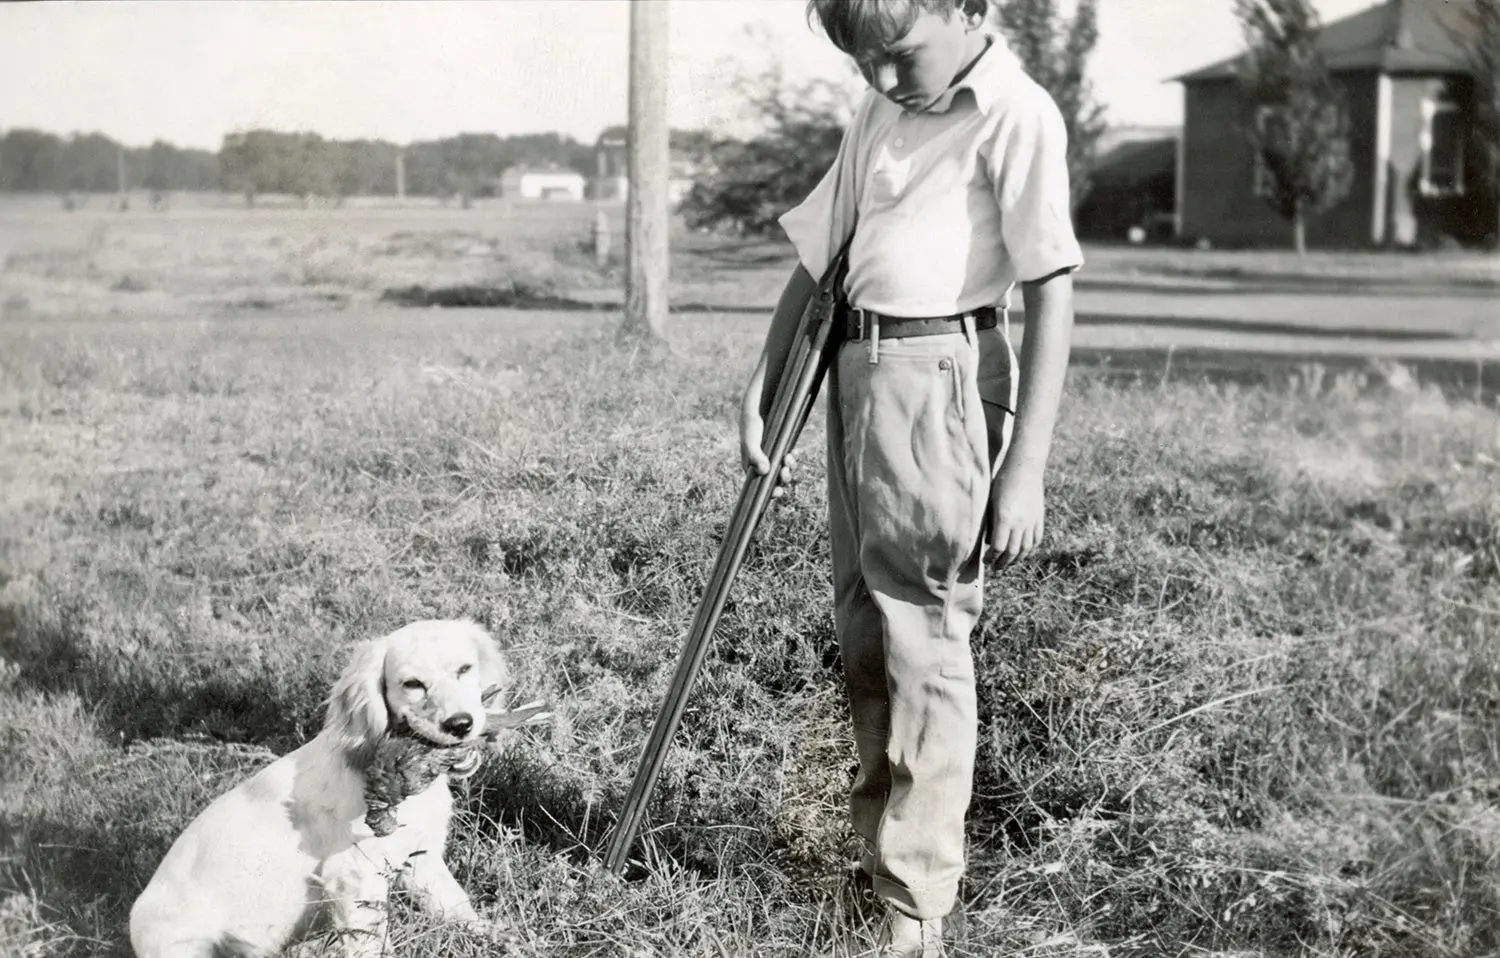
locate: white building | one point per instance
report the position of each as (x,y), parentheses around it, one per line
(551,183)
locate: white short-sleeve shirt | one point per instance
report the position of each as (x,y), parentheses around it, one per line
(955,204)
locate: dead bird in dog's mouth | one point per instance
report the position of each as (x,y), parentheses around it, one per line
(405,763)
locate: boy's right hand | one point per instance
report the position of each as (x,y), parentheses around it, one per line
(800,287)
(753,456)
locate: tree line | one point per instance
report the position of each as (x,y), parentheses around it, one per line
(270,161)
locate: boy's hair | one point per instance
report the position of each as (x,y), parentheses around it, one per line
(860,26)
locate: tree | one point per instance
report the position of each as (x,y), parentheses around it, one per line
(30,160)
(247,161)
(1484,52)
(90,163)
(1296,120)
(269,161)
(265,161)
(745,183)
(1055,52)
(166,167)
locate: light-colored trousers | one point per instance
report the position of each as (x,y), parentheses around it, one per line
(915,430)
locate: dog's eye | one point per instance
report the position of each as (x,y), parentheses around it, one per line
(464,669)
(414,684)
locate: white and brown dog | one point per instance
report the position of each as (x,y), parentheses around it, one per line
(288,851)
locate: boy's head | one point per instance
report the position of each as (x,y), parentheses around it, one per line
(908,50)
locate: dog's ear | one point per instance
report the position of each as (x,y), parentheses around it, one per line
(357,713)
(493,672)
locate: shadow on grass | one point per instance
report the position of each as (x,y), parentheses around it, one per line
(90,873)
(519,791)
(1469,379)
(1189,284)
(1307,329)
(477,296)
(133,702)
(744,255)
(483,296)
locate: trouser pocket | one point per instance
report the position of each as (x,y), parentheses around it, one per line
(915,457)
(997,379)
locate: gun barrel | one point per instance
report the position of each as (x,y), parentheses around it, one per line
(791,406)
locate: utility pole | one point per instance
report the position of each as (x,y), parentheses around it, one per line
(400,178)
(646,215)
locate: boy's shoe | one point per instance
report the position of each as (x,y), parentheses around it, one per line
(905,937)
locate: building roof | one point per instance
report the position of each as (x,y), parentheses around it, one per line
(1395,36)
(612,135)
(687,141)
(513,173)
(1126,136)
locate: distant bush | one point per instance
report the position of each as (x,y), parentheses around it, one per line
(744,184)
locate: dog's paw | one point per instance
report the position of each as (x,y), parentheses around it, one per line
(494,933)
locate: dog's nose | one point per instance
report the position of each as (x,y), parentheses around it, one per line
(458,725)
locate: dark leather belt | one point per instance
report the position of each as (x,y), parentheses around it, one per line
(860,324)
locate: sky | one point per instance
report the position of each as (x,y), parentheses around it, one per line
(189,72)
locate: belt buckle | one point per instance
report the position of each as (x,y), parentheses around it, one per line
(862,326)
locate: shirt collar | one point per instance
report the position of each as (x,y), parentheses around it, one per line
(987,79)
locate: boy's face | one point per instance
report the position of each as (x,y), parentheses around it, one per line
(915,70)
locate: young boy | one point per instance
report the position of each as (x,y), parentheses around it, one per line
(952,177)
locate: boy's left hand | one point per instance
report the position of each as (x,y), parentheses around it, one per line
(1018,513)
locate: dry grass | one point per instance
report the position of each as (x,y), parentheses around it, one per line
(1244,703)
(215,260)
(207,255)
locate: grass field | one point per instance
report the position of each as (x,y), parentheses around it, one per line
(1245,702)
(211,255)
